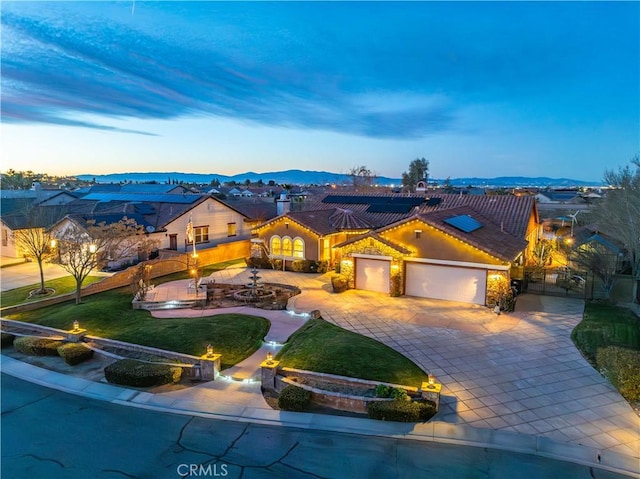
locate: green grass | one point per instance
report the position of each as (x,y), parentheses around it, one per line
(109,315)
(323,347)
(606,325)
(63,285)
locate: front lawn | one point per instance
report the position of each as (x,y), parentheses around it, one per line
(606,325)
(61,286)
(109,315)
(323,347)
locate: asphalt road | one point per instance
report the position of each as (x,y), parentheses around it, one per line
(50,434)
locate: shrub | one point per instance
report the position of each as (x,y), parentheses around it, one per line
(129,372)
(621,367)
(34,346)
(293,398)
(384,391)
(401,410)
(309,266)
(74,353)
(339,283)
(6,339)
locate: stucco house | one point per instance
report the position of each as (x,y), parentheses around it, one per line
(446,246)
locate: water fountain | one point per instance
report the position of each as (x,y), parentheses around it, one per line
(255,291)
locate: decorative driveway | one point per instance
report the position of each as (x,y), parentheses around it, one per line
(516,372)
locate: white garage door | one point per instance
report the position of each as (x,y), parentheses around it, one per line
(372,274)
(466,285)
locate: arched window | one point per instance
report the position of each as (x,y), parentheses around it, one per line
(276,245)
(298,248)
(287,246)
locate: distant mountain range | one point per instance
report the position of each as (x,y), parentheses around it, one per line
(300,177)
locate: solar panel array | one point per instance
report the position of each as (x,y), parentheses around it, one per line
(464,223)
(141,197)
(378,204)
(434,201)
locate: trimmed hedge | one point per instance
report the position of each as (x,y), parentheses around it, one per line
(6,339)
(74,353)
(401,410)
(293,398)
(309,266)
(621,367)
(130,372)
(34,346)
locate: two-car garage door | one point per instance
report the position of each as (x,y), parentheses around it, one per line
(467,285)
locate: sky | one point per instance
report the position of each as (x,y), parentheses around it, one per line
(480,89)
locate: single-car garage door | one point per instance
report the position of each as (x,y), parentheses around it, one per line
(372,274)
(467,285)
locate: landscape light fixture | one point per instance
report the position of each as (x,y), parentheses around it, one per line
(269,357)
(93,248)
(209,351)
(431,378)
(76,325)
(54,243)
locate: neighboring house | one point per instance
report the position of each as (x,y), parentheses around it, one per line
(444,246)
(135,188)
(559,196)
(22,210)
(165,217)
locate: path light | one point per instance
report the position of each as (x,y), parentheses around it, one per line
(76,325)
(209,351)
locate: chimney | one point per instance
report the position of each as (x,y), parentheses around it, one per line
(283,204)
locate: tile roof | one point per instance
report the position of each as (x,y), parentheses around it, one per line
(490,237)
(512,213)
(377,237)
(326,221)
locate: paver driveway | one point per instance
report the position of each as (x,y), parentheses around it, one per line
(518,372)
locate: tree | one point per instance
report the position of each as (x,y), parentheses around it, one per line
(600,262)
(83,245)
(362,178)
(418,170)
(18,180)
(618,214)
(447,187)
(34,236)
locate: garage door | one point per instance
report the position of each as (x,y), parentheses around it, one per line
(466,285)
(372,274)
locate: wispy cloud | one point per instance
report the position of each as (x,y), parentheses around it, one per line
(176,60)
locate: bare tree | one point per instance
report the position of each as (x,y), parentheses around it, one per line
(82,246)
(362,177)
(619,213)
(600,262)
(34,236)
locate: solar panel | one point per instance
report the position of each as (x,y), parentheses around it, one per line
(389,208)
(373,200)
(140,197)
(434,201)
(464,223)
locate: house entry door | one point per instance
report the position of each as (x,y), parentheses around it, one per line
(173,242)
